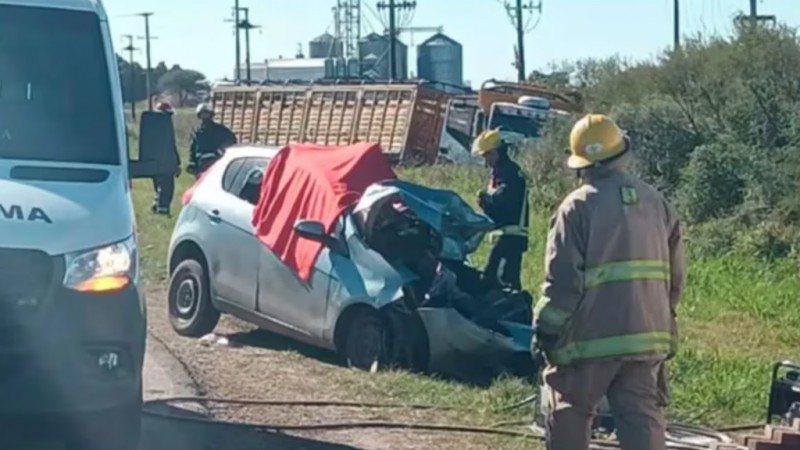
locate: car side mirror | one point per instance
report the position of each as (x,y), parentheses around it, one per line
(315,231)
(157,153)
(311,229)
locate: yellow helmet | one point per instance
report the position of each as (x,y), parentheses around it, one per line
(594,138)
(486,142)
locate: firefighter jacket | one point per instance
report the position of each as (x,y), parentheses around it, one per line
(614,273)
(208,142)
(506,202)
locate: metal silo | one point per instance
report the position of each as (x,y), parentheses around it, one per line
(441,58)
(325,46)
(374,51)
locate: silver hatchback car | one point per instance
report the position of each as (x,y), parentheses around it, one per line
(359,300)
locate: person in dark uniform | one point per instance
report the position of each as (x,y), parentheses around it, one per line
(209,141)
(164,185)
(505,201)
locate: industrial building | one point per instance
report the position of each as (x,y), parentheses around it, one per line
(283,69)
(374,53)
(441,59)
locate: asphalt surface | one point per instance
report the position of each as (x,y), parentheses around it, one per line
(165,377)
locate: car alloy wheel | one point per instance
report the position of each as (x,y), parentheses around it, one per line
(191,312)
(187,297)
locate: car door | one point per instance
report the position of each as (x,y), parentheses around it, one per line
(235,249)
(290,301)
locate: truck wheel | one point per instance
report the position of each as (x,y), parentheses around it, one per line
(118,428)
(191,312)
(367,341)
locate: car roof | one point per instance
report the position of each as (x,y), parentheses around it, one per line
(251,150)
(76,5)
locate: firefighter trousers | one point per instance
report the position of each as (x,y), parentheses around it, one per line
(164,187)
(505,263)
(636,392)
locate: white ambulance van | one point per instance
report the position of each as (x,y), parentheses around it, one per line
(72,311)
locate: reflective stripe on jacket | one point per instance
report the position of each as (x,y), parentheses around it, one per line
(614,273)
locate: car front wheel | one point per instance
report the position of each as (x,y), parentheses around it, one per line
(367,341)
(191,312)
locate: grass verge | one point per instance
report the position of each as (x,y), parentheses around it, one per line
(738,316)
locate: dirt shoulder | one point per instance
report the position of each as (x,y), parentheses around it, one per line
(257,365)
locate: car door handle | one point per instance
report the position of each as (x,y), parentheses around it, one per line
(214,216)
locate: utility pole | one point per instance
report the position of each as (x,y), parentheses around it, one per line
(246,26)
(676,17)
(754,18)
(517,13)
(149,65)
(132,88)
(236,10)
(393,6)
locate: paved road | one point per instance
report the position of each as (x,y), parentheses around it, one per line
(165,377)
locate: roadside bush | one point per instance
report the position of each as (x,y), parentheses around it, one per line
(713,184)
(715,126)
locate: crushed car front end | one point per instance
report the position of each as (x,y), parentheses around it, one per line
(445,317)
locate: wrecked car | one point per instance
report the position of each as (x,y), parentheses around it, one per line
(325,245)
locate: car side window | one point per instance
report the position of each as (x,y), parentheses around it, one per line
(230,174)
(247,185)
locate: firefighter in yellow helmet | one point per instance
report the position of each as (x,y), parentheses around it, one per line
(505,201)
(614,276)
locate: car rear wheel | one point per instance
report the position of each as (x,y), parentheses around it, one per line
(367,341)
(191,312)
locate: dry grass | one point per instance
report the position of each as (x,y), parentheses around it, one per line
(738,316)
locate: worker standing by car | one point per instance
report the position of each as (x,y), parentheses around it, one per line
(614,274)
(164,185)
(209,141)
(505,201)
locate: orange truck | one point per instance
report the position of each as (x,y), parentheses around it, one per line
(405,119)
(494,91)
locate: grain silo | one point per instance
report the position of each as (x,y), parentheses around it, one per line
(374,51)
(441,58)
(325,46)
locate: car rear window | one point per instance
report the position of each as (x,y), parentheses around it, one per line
(56,101)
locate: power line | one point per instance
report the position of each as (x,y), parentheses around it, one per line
(132,68)
(517,13)
(393,6)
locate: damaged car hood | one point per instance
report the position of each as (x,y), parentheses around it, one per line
(461,227)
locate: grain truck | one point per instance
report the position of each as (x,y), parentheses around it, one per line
(406,119)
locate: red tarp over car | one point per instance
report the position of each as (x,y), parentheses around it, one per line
(312,182)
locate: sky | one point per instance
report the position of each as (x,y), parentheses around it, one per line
(194,34)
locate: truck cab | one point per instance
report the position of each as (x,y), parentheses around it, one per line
(72,309)
(520,121)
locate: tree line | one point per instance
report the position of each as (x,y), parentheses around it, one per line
(182,85)
(715,125)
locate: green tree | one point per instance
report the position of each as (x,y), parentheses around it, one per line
(182,83)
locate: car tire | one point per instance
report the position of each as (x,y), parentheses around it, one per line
(191,312)
(367,341)
(118,428)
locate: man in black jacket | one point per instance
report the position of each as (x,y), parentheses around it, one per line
(505,201)
(164,185)
(209,141)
